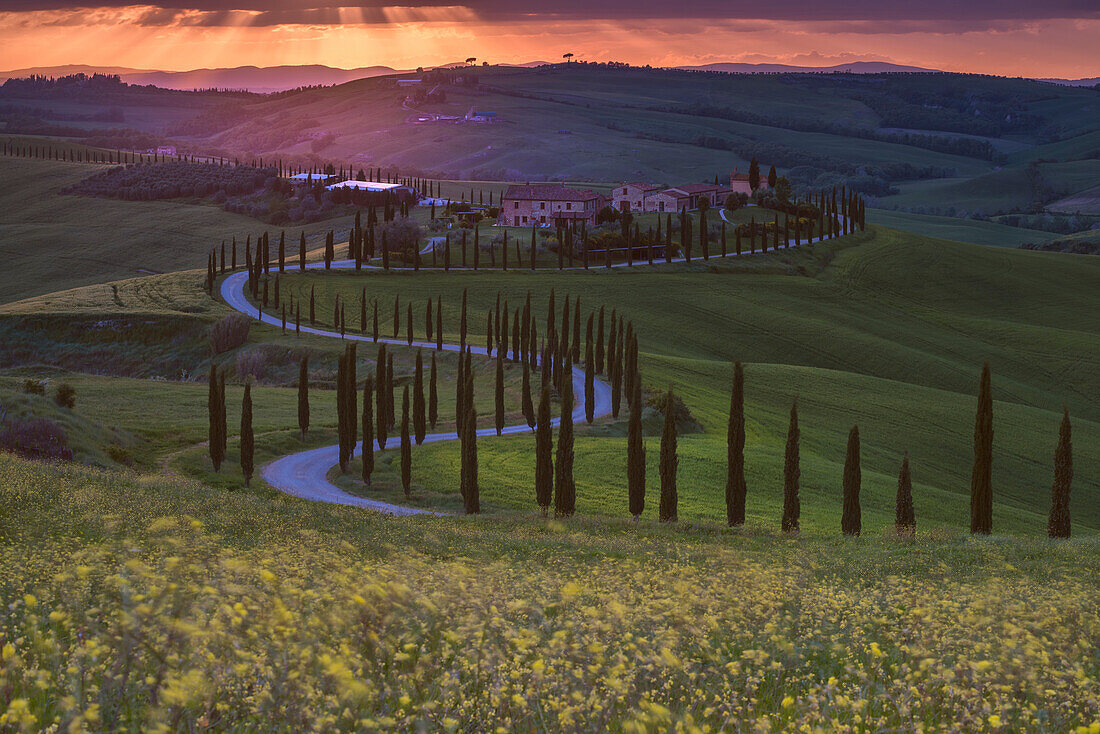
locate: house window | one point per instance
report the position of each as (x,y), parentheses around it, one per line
(515,221)
(569,206)
(624,191)
(542,220)
(542,205)
(660,206)
(515,205)
(525,220)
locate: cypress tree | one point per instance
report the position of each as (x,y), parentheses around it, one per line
(471,493)
(981,478)
(282,252)
(363,311)
(527,404)
(367,453)
(248,441)
(433,395)
(382,424)
(303,396)
(419,425)
(565,491)
(617,371)
(905,522)
(791,475)
(544,464)
(374,327)
(1058,525)
(409,325)
(391,414)
(489,335)
(736,488)
(428,322)
(396,315)
(667,511)
(406,444)
(850,523)
(635,457)
(312,307)
(499,395)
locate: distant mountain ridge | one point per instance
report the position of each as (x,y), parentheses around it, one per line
(267,79)
(253,78)
(856,67)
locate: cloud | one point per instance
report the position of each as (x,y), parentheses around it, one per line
(859,16)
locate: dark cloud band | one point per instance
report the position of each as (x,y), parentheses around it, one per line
(276,12)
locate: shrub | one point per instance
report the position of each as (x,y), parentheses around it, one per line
(120,454)
(252,363)
(37,438)
(65,396)
(34,387)
(229,333)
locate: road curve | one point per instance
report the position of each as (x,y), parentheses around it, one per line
(304,474)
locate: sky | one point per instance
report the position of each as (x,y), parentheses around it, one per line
(1036,38)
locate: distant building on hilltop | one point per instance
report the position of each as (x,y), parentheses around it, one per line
(548,204)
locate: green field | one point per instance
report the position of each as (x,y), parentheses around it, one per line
(59,241)
(1009,189)
(894,315)
(974,231)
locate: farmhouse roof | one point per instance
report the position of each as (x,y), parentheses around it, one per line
(549,192)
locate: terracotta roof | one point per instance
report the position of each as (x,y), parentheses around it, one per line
(549,192)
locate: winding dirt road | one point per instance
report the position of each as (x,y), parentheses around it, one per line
(304,474)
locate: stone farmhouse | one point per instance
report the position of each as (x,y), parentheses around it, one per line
(548,204)
(650,197)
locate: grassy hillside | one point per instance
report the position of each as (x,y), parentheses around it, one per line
(901,318)
(365,622)
(591,122)
(55,241)
(1015,188)
(884,329)
(974,231)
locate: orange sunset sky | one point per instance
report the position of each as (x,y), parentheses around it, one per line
(1038,39)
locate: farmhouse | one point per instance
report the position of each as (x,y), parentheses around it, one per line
(548,204)
(632,196)
(688,195)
